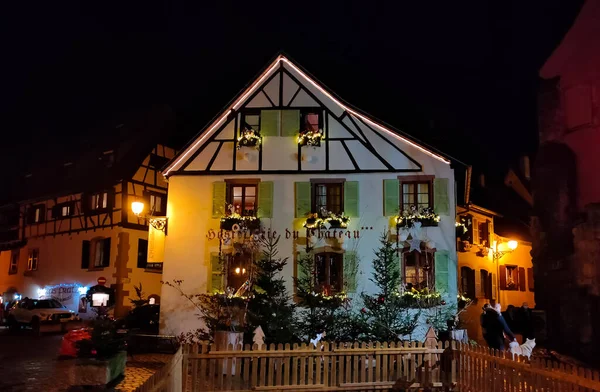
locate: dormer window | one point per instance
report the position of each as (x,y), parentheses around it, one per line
(311,121)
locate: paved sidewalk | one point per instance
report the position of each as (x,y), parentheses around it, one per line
(29,363)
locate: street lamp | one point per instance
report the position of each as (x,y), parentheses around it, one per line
(497,254)
(159,223)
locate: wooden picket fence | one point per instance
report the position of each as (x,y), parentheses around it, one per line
(332,367)
(401,366)
(482,369)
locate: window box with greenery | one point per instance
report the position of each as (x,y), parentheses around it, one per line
(249,138)
(425,215)
(250,223)
(311,138)
(326,220)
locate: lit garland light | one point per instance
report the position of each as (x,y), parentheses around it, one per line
(318,221)
(311,138)
(249,138)
(423,298)
(425,215)
(460,226)
(81,289)
(245,222)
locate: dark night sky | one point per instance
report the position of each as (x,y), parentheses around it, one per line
(469,65)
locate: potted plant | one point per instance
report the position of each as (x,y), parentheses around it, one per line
(311,138)
(249,138)
(101,358)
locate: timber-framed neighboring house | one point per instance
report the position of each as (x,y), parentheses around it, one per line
(71,223)
(287,148)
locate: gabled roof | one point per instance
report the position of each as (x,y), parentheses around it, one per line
(283,62)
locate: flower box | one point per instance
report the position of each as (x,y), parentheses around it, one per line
(311,138)
(426,216)
(249,138)
(336,224)
(97,372)
(228,222)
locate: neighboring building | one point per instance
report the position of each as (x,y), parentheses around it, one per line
(356,166)
(71,224)
(489,270)
(567,192)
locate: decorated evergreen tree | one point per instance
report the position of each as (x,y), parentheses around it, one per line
(270,306)
(388,317)
(317,309)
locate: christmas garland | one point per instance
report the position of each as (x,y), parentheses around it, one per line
(423,298)
(249,138)
(311,138)
(319,221)
(244,222)
(425,215)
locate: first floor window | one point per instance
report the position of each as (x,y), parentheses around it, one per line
(418,269)
(32,259)
(328,196)
(95,253)
(467,282)
(486,284)
(157,203)
(238,268)
(329,272)
(243,198)
(512,277)
(14,262)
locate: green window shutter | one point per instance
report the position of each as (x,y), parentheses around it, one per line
(351,198)
(269,122)
(290,122)
(265,199)
(216,273)
(391,197)
(350,271)
(219,199)
(303,204)
(441,271)
(441,202)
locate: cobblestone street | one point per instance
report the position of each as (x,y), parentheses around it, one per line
(30,363)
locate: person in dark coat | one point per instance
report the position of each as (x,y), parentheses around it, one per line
(510,315)
(495,327)
(525,318)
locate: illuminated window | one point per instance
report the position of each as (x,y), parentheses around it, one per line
(512,277)
(467,282)
(417,269)
(32,259)
(416,193)
(99,201)
(329,277)
(243,197)
(14,262)
(328,196)
(238,267)
(311,122)
(63,210)
(36,214)
(157,203)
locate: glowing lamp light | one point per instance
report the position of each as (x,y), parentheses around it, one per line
(512,244)
(137,207)
(237,270)
(41,293)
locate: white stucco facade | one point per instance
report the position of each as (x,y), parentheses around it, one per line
(354,149)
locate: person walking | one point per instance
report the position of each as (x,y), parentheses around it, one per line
(495,327)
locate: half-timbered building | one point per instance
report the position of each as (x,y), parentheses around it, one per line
(290,154)
(72,224)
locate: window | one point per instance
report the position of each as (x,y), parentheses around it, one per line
(251,120)
(311,122)
(238,267)
(157,203)
(486,284)
(418,269)
(512,277)
(483,230)
(467,282)
(95,254)
(416,191)
(63,210)
(243,198)
(99,201)
(36,214)
(142,257)
(14,262)
(32,259)
(328,196)
(329,272)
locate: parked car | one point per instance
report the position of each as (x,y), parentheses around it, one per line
(35,312)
